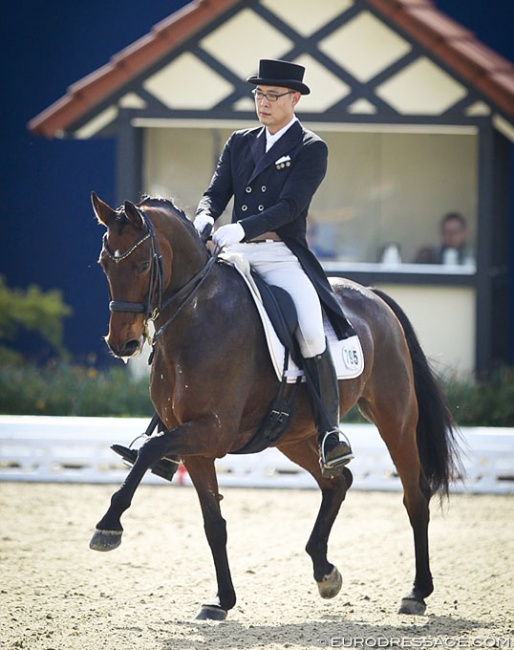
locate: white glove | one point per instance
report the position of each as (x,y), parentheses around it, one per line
(201,222)
(225,236)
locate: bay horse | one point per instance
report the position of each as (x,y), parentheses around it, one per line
(212,381)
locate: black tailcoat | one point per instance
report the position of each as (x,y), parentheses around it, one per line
(272,192)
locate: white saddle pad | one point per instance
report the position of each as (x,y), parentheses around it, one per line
(346,354)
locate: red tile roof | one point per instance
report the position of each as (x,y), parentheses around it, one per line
(448,41)
(90,90)
(455,46)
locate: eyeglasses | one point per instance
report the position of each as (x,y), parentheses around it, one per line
(269,97)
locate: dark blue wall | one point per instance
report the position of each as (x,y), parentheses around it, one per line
(48,234)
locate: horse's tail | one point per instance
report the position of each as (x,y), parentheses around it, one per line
(436,429)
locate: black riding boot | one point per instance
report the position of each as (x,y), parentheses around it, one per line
(165,467)
(334,447)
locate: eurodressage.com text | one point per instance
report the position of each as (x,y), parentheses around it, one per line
(417,642)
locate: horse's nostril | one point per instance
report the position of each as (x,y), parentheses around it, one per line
(125,350)
(130,348)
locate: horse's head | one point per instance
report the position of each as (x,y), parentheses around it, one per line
(136,259)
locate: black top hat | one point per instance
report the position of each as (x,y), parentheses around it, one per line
(280,73)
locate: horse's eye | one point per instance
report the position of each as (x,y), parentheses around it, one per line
(144,266)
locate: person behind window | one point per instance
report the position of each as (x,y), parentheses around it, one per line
(453,247)
(272,172)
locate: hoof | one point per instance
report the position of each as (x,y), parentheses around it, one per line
(105,540)
(211,613)
(331,584)
(412,606)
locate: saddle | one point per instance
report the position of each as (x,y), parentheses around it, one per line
(346,353)
(276,305)
(282,313)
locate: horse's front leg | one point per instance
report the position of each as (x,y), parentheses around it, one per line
(109,530)
(203,475)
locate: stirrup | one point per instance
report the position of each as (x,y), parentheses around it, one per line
(339,456)
(165,467)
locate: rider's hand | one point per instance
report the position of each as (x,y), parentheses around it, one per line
(202,223)
(227,235)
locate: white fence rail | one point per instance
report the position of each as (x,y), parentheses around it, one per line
(77,450)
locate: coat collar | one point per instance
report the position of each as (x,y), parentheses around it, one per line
(287,142)
(258,144)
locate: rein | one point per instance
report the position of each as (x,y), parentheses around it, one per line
(192,286)
(155,292)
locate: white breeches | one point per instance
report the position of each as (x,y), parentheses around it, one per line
(274,262)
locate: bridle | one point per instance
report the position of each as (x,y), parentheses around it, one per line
(156,276)
(154,305)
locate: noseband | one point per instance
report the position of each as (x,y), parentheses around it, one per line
(153,306)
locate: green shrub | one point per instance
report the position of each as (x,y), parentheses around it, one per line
(474,403)
(64,389)
(31,310)
(482,403)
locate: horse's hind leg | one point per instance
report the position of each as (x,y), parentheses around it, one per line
(305,454)
(400,438)
(416,499)
(109,530)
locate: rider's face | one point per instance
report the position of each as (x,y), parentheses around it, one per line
(275,114)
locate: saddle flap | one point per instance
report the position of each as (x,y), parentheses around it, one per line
(282,313)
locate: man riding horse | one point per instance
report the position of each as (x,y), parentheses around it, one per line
(272,172)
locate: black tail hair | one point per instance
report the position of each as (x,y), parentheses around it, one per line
(436,429)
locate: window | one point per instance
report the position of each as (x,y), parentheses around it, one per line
(381,187)
(392,188)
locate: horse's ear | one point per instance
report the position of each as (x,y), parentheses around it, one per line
(103,212)
(133,215)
